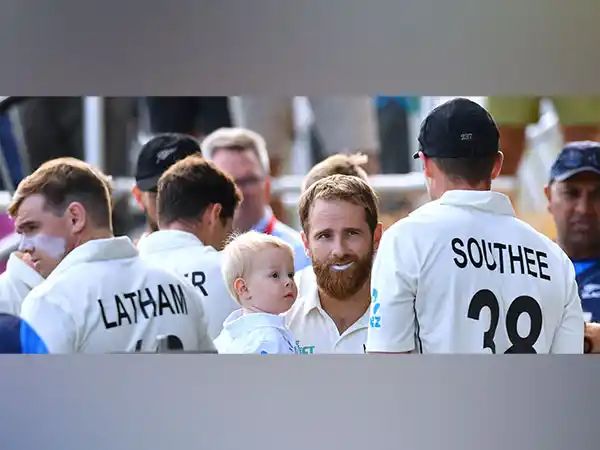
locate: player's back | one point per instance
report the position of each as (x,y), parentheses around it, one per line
(110,300)
(186,256)
(483,280)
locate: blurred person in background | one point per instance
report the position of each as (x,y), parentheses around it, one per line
(196,204)
(573,194)
(579,118)
(343,124)
(196,116)
(155,157)
(341,232)
(243,154)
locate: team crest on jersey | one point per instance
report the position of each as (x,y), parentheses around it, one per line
(164,154)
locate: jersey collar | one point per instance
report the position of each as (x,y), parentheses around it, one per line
(97,250)
(238,324)
(312,301)
(167,240)
(490,201)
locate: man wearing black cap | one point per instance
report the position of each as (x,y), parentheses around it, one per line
(155,157)
(573,194)
(462,274)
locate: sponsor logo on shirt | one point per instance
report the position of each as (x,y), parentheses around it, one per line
(304,349)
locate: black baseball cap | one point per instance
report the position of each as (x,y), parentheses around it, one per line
(160,153)
(576,157)
(459,128)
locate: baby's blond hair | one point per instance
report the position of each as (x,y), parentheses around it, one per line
(240,251)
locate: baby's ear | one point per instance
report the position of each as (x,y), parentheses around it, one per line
(239,285)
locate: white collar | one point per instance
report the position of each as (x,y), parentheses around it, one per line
(25,273)
(490,201)
(238,323)
(97,250)
(312,301)
(168,240)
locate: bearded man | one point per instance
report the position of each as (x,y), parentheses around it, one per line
(341,232)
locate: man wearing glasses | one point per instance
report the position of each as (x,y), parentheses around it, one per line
(573,194)
(243,154)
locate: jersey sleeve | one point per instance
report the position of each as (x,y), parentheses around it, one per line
(54,326)
(569,335)
(393,290)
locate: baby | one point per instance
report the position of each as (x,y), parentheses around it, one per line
(259,273)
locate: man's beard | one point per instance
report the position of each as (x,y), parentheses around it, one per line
(341,284)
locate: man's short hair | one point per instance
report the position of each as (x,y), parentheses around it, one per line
(237,139)
(190,185)
(471,170)
(241,251)
(62,181)
(339,163)
(340,187)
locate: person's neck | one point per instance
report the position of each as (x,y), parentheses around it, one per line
(578,252)
(346,312)
(96,233)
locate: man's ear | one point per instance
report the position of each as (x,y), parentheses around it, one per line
(77,216)
(212,214)
(377,233)
(137,195)
(497,165)
(548,193)
(305,242)
(427,165)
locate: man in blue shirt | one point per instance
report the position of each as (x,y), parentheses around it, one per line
(573,194)
(242,154)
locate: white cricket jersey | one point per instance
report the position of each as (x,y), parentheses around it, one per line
(103,298)
(186,256)
(255,333)
(315,330)
(463,275)
(15,283)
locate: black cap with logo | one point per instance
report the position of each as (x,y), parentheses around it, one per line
(459,128)
(160,153)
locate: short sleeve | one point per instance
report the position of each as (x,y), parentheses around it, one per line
(569,335)
(393,290)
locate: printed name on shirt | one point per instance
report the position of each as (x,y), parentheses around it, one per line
(496,256)
(197,278)
(130,307)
